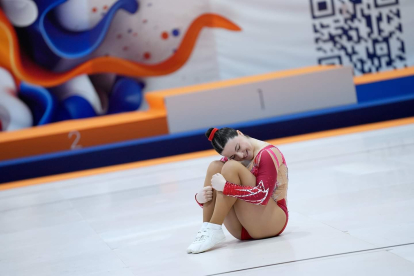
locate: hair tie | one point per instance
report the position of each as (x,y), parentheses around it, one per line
(210,138)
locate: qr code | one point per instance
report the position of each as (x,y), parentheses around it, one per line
(364,33)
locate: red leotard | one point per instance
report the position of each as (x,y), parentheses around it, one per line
(266,179)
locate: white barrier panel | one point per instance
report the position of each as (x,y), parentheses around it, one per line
(268,97)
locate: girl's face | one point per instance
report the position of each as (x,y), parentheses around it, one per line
(239,148)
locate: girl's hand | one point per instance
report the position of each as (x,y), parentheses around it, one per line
(205,195)
(218,181)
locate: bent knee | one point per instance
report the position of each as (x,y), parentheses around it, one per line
(215,167)
(230,166)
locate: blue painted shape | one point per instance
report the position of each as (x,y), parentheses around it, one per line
(176,32)
(173,144)
(74,107)
(67,44)
(41,103)
(126,95)
(39,50)
(385,89)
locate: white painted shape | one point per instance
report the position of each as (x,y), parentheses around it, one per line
(6,81)
(21,13)
(4,118)
(78,15)
(240,103)
(16,114)
(80,86)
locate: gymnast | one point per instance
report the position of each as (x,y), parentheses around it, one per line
(238,188)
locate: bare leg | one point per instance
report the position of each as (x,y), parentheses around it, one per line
(231,172)
(260,221)
(233,224)
(223,210)
(208,208)
(231,221)
(255,219)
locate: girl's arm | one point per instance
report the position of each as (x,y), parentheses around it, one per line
(265,183)
(224,160)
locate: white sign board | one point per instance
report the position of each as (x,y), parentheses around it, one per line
(262,99)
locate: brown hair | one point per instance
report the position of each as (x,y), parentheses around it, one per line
(221,137)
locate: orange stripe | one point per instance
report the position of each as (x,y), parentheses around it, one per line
(207,153)
(241,80)
(81,124)
(383,76)
(84,132)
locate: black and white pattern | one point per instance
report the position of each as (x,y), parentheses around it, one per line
(364,33)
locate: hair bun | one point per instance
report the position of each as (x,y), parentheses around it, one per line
(208,132)
(213,132)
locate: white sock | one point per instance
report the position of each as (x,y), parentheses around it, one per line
(205,224)
(214,226)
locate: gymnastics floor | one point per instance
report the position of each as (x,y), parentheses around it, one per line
(350,200)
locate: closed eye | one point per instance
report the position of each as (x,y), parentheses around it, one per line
(232,157)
